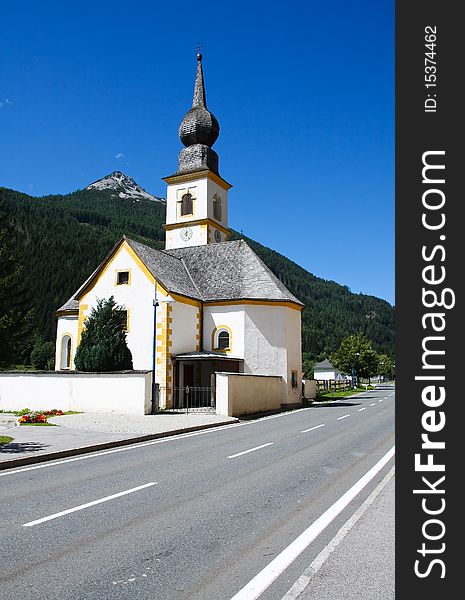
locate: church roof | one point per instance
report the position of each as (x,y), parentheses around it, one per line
(167,269)
(212,273)
(231,271)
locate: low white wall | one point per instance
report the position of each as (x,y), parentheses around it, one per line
(240,394)
(119,393)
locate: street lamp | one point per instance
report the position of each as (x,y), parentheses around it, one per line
(156,303)
(381,364)
(353,361)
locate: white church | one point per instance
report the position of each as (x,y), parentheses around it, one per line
(204,304)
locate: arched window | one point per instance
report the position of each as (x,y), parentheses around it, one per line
(223,340)
(187,205)
(217,207)
(65,358)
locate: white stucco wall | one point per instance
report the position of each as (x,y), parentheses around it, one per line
(294,353)
(66,325)
(267,337)
(184,327)
(202,190)
(266,340)
(118,393)
(136,297)
(232,317)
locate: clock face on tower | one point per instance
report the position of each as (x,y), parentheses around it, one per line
(186,234)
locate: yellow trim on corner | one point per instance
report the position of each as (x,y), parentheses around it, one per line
(292,305)
(186,300)
(173,179)
(207,221)
(138,262)
(81,319)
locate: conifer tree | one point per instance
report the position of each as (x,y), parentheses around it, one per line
(15,320)
(103,344)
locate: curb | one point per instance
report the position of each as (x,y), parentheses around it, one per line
(30,460)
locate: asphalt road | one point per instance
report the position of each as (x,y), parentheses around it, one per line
(208,515)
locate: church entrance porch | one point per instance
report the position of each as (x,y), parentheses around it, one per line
(194,382)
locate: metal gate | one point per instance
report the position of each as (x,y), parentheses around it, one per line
(192,399)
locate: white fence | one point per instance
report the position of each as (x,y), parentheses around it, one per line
(127,393)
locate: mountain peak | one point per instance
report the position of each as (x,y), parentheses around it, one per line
(123,187)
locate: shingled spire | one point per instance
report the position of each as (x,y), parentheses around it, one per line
(199,88)
(198,131)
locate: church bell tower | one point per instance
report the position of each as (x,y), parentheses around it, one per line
(197,196)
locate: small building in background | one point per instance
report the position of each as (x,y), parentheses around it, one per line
(325,371)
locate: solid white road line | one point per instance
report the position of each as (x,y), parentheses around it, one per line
(93,503)
(312,428)
(273,570)
(251,450)
(343,417)
(306,577)
(360,409)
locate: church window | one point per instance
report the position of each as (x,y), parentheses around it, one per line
(223,340)
(122,278)
(217,207)
(187,204)
(65,355)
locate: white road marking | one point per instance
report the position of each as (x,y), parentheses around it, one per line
(93,503)
(312,428)
(251,450)
(343,417)
(138,445)
(373,403)
(381,400)
(278,565)
(360,409)
(306,577)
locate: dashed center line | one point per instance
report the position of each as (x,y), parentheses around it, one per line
(93,503)
(373,403)
(251,450)
(343,417)
(312,428)
(360,409)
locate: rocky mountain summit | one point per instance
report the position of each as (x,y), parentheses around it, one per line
(123,187)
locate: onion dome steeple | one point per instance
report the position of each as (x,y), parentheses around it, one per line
(198,131)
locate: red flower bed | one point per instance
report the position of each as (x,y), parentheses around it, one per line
(33,417)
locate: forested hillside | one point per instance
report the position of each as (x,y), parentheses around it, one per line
(59,241)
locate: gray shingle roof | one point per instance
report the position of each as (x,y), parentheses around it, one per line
(231,271)
(324,365)
(70,305)
(215,272)
(167,269)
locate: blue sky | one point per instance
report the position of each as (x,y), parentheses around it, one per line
(303,92)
